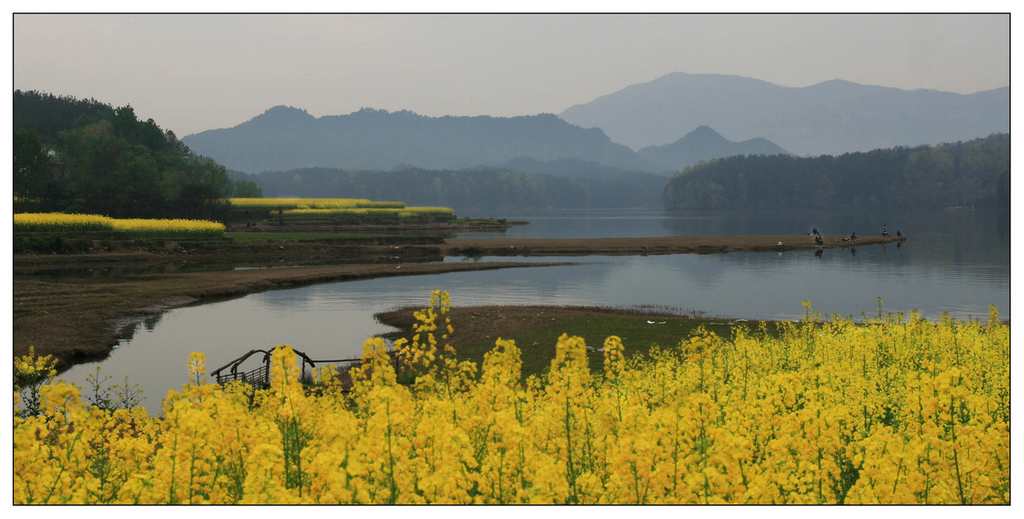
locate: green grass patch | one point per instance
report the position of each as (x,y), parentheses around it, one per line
(538,342)
(260,236)
(536,330)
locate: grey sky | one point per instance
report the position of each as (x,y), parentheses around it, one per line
(195,72)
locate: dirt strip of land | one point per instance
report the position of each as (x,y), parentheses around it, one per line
(649,245)
(81,319)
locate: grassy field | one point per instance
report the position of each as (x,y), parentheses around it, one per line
(260,236)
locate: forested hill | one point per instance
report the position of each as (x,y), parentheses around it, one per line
(286,138)
(972,173)
(480,189)
(82,155)
(703,144)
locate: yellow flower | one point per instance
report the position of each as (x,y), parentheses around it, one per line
(61,222)
(196,365)
(896,410)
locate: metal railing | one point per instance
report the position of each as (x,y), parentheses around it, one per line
(259,377)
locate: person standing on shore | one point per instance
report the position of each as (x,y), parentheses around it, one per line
(817,236)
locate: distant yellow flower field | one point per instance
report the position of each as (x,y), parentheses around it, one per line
(401,212)
(337,206)
(61,222)
(893,410)
(293,203)
(428,210)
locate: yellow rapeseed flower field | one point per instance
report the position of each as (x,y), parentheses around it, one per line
(325,211)
(364,211)
(328,207)
(382,204)
(893,410)
(167,225)
(61,222)
(414,211)
(293,203)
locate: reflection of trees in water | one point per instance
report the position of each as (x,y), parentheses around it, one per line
(969,244)
(151,321)
(128,331)
(518,286)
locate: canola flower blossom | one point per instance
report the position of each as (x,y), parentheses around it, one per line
(310,203)
(61,222)
(30,372)
(892,410)
(312,207)
(369,211)
(196,366)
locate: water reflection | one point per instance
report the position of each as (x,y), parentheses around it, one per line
(953,262)
(960,241)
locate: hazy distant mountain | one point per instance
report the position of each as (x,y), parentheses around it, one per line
(830,117)
(285,138)
(703,144)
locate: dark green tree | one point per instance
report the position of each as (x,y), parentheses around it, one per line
(973,173)
(85,156)
(31,165)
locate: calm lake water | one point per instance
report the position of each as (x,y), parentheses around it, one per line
(955,261)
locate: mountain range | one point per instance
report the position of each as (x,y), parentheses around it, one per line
(679,109)
(703,144)
(831,117)
(284,138)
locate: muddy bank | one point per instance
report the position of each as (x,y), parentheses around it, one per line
(80,319)
(403,228)
(95,258)
(649,245)
(224,255)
